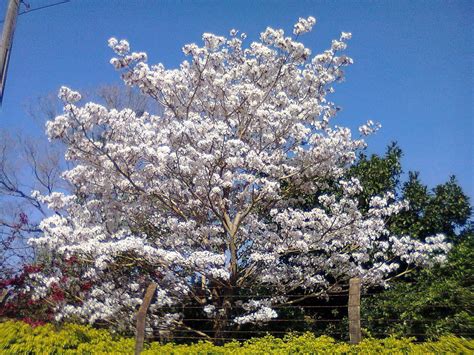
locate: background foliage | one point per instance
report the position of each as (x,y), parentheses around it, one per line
(423,302)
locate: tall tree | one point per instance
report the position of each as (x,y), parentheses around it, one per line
(199,199)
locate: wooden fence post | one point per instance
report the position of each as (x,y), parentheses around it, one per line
(141,317)
(355,334)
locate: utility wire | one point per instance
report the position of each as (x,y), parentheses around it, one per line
(40,8)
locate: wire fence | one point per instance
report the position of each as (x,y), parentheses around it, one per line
(327,316)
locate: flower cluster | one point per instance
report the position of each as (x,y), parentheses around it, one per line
(304,25)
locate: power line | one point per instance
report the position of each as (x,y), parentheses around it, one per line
(44,7)
(28,10)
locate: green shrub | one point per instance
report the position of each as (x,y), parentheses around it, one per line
(20,338)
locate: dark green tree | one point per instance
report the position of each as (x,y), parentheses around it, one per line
(425,303)
(445,209)
(378,174)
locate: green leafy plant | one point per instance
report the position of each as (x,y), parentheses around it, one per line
(21,338)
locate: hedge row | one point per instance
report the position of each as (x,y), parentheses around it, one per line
(21,338)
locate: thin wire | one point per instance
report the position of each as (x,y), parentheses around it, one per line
(246,339)
(302,306)
(291,295)
(40,8)
(323,320)
(274,320)
(296,295)
(243,331)
(275,306)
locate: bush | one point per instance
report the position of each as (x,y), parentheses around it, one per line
(440,302)
(21,338)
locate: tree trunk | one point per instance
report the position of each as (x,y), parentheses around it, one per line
(141,317)
(220,325)
(221,319)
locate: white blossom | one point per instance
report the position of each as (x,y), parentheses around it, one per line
(304,25)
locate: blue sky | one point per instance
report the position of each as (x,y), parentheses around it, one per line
(413,68)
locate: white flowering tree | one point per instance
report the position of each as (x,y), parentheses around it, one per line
(203,199)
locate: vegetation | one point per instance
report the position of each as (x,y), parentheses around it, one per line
(439,301)
(428,302)
(18,337)
(245,226)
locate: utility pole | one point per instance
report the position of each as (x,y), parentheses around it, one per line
(6,41)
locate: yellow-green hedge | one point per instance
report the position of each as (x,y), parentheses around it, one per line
(20,338)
